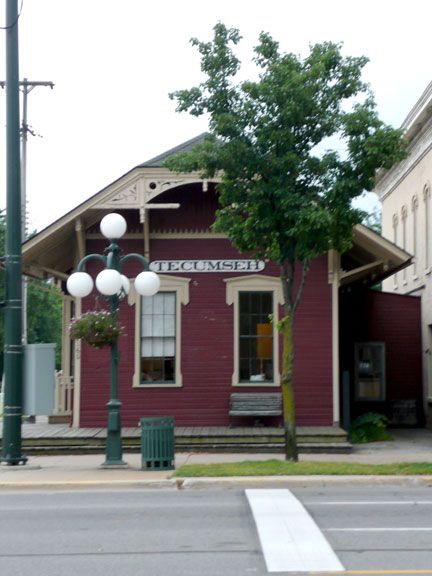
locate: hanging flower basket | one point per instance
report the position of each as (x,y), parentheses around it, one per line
(98,329)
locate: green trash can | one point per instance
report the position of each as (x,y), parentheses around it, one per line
(157,443)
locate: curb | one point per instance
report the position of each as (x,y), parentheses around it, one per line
(226,483)
(86,484)
(286,481)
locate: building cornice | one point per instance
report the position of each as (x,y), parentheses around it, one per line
(417,150)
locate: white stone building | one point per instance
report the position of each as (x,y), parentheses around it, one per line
(405,193)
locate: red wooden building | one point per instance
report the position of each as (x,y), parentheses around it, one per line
(206,334)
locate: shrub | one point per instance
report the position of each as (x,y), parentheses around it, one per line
(98,329)
(369,427)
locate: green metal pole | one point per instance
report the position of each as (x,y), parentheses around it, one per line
(13,351)
(114,452)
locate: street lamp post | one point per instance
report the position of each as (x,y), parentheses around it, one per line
(114,286)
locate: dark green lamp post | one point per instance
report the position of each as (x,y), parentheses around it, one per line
(13,350)
(114,286)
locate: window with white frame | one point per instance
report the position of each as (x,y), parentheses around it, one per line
(256,336)
(158,333)
(158,337)
(256,344)
(370,371)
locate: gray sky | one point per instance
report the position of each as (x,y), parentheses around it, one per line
(114,62)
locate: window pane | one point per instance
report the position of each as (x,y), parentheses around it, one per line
(266,303)
(158,303)
(158,344)
(370,371)
(256,337)
(158,325)
(244,302)
(169,347)
(169,370)
(146,304)
(147,325)
(169,303)
(158,347)
(146,347)
(169,326)
(245,324)
(255,306)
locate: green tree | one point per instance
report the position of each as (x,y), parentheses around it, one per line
(284,193)
(44,308)
(44,315)
(373,220)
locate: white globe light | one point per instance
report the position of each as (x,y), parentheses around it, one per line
(108,282)
(125,283)
(113,226)
(147,283)
(79,284)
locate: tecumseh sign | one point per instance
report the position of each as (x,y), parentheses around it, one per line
(190,266)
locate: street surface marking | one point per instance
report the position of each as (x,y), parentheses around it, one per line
(290,539)
(392,572)
(422,529)
(370,503)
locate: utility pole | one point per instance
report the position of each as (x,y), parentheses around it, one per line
(13,357)
(26,87)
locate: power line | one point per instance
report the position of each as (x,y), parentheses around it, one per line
(26,87)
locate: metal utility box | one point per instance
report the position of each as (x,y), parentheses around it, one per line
(39,379)
(157,443)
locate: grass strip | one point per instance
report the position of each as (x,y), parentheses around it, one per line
(283,468)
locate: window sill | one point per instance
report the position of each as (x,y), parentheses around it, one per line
(257,384)
(157,385)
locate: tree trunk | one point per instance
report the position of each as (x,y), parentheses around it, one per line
(291,452)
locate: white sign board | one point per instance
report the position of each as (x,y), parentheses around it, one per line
(194,266)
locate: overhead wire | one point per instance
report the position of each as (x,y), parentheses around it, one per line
(16,19)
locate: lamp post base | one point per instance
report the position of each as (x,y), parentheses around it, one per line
(114,450)
(114,465)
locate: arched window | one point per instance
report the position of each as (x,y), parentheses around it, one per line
(427,235)
(404,215)
(395,221)
(414,247)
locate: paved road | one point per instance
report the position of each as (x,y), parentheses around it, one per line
(375,528)
(205,532)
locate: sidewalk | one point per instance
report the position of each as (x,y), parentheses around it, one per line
(83,471)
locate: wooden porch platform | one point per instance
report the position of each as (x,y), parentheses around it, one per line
(60,438)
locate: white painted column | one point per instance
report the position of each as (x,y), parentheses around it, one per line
(334,270)
(77,373)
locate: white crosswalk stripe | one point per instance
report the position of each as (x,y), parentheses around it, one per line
(290,539)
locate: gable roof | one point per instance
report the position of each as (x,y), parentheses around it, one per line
(187,146)
(53,249)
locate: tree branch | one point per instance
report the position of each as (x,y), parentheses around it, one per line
(305,270)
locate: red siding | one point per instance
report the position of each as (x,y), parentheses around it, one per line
(371,316)
(207,336)
(207,350)
(396,320)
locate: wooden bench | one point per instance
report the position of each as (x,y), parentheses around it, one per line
(256,404)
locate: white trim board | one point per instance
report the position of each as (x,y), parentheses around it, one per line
(290,539)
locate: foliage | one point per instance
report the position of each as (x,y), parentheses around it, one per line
(373,221)
(96,328)
(280,468)
(44,307)
(369,427)
(284,194)
(44,315)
